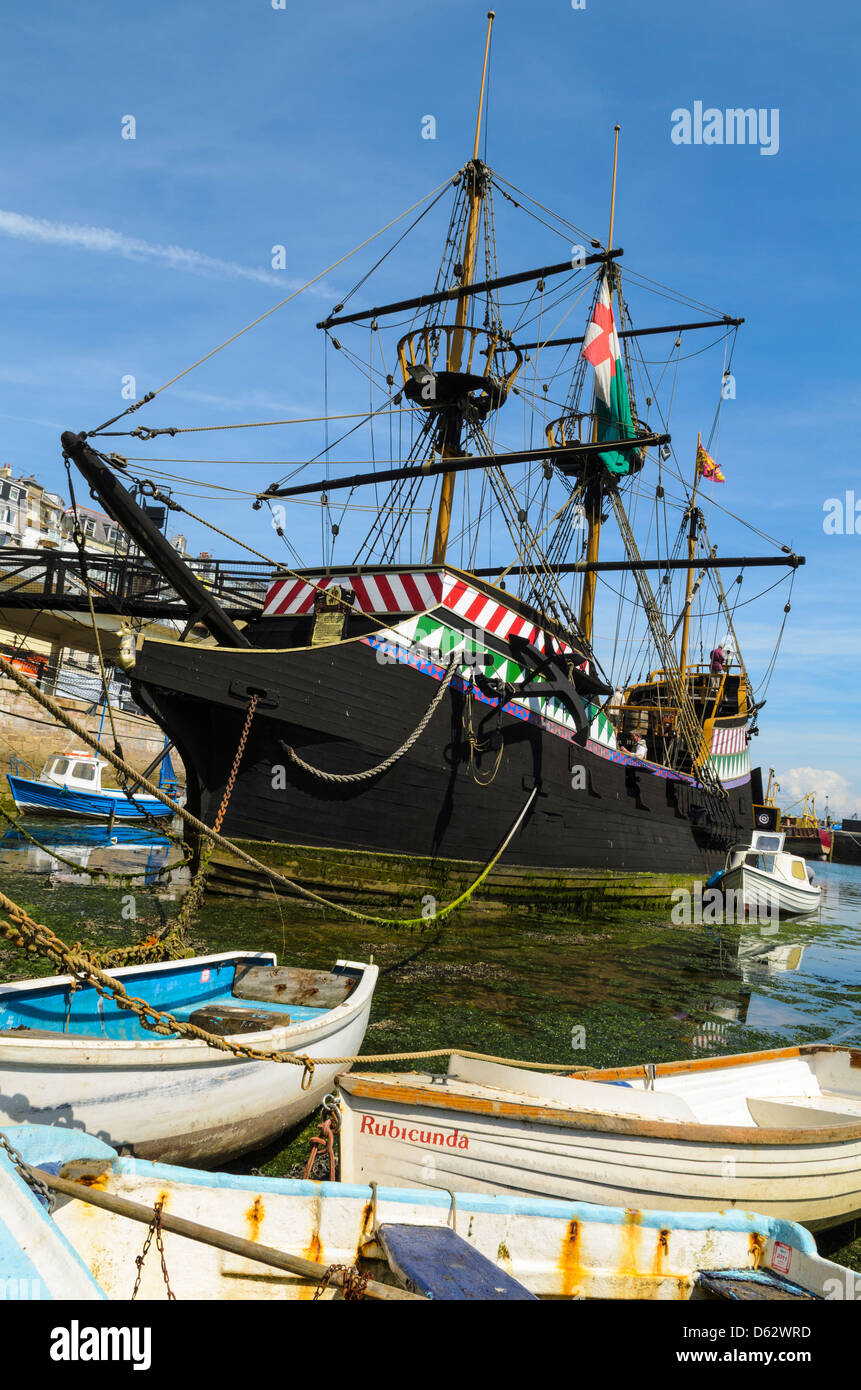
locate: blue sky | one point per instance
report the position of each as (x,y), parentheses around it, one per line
(301,127)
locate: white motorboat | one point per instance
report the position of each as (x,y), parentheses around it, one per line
(761,880)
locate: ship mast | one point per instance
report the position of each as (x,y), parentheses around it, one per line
(593,499)
(689,582)
(451,447)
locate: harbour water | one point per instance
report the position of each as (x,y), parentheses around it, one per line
(605,989)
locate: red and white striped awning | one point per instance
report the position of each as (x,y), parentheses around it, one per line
(408,591)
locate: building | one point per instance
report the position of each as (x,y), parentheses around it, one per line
(30,516)
(101,534)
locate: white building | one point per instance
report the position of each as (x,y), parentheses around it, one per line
(30,516)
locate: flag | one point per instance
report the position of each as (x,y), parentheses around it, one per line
(612,403)
(707,468)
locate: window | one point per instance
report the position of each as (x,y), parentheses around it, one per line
(798,870)
(85,771)
(61,767)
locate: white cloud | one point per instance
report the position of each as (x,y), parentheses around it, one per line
(110,243)
(828,787)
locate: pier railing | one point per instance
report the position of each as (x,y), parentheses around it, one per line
(123,584)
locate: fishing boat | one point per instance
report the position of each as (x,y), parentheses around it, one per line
(434,682)
(775,1132)
(70,1057)
(70,784)
(440,1244)
(761,879)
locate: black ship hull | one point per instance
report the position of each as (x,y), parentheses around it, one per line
(343,710)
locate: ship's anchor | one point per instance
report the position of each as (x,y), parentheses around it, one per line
(558,680)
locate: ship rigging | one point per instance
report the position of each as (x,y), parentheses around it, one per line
(657,711)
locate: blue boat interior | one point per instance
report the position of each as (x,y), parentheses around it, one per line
(178,987)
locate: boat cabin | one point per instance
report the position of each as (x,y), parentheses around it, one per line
(766,853)
(81,772)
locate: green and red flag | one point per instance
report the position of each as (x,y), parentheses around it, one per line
(612,402)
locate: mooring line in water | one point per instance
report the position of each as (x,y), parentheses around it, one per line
(51,705)
(121,877)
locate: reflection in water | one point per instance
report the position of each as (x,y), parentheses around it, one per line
(72,853)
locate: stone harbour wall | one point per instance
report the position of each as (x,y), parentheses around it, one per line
(29,731)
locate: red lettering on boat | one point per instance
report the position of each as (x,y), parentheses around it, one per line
(387,1129)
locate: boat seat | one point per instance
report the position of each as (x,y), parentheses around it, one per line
(437,1262)
(512,1083)
(286,984)
(804,1112)
(227,1019)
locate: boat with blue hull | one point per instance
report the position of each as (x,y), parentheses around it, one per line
(71,785)
(71,1057)
(502,1246)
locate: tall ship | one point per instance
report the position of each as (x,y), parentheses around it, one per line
(528,634)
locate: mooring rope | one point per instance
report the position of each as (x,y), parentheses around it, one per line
(202,828)
(393,757)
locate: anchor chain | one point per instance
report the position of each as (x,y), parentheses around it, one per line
(192,899)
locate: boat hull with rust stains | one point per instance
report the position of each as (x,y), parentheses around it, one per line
(556,1249)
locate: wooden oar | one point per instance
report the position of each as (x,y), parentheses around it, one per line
(192,1230)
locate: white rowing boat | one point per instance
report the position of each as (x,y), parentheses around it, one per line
(69,1057)
(775,1132)
(554,1249)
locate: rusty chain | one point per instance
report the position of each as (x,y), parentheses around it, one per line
(354,1282)
(327,1131)
(191,901)
(24,1170)
(243,739)
(154,1230)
